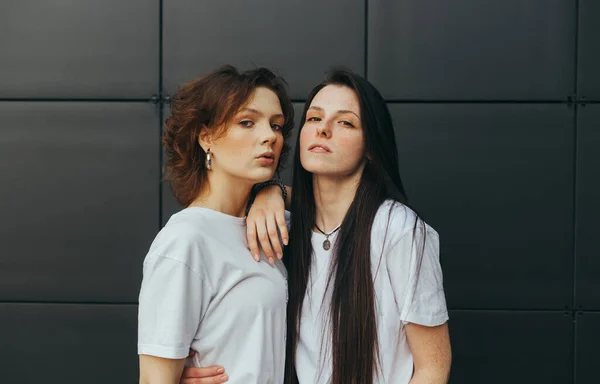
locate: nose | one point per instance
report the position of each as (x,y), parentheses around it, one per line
(268,134)
(323,130)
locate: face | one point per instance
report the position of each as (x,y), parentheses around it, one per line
(331,139)
(253,140)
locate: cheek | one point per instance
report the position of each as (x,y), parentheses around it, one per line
(304,135)
(236,144)
(239,147)
(352,148)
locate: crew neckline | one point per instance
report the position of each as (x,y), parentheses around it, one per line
(218,215)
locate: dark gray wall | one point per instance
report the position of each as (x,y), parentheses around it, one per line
(497,113)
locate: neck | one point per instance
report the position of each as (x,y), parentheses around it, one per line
(333,197)
(225,194)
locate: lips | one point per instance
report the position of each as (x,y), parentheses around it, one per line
(266,155)
(319,148)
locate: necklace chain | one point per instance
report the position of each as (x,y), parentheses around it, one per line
(330,233)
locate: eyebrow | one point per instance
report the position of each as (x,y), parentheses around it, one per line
(257,112)
(338,111)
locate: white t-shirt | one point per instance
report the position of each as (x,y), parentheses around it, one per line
(202,290)
(398,299)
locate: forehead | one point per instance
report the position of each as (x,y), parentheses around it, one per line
(336,97)
(264,100)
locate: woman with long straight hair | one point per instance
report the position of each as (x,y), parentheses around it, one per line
(366,299)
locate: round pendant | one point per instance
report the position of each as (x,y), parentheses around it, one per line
(326,245)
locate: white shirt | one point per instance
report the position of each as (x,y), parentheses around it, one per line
(400,297)
(202,290)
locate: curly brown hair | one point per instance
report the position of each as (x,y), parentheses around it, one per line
(212,101)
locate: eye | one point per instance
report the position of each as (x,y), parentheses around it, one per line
(247,123)
(276,127)
(347,123)
(314,118)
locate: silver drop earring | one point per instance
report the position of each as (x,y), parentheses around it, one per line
(208,160)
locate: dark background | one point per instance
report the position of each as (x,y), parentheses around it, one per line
(497,114)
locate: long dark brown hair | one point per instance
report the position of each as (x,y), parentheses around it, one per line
(352,315)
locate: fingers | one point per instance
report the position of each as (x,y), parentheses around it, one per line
(263,238)
(251,235)
(282,225)
(200,372)
(274,237)
(204,375)
(207,380)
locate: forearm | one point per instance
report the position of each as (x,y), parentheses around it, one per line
(430,375)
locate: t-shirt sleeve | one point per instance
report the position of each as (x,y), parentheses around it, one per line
(172,301)
(416,277)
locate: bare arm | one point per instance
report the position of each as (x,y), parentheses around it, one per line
(432,355)
(158,370)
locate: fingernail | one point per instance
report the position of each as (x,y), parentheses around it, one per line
(271,260)
(285,241)
(220,370)
(279,256)
(256,258)
(224,377)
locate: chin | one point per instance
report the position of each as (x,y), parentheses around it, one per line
(260,175)
(316,167)
(327,170)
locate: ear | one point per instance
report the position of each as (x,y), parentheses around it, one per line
(205,139)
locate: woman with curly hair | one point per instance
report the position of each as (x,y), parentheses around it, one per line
(201,291)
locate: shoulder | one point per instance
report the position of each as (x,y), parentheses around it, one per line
(395,221)
(182,239)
